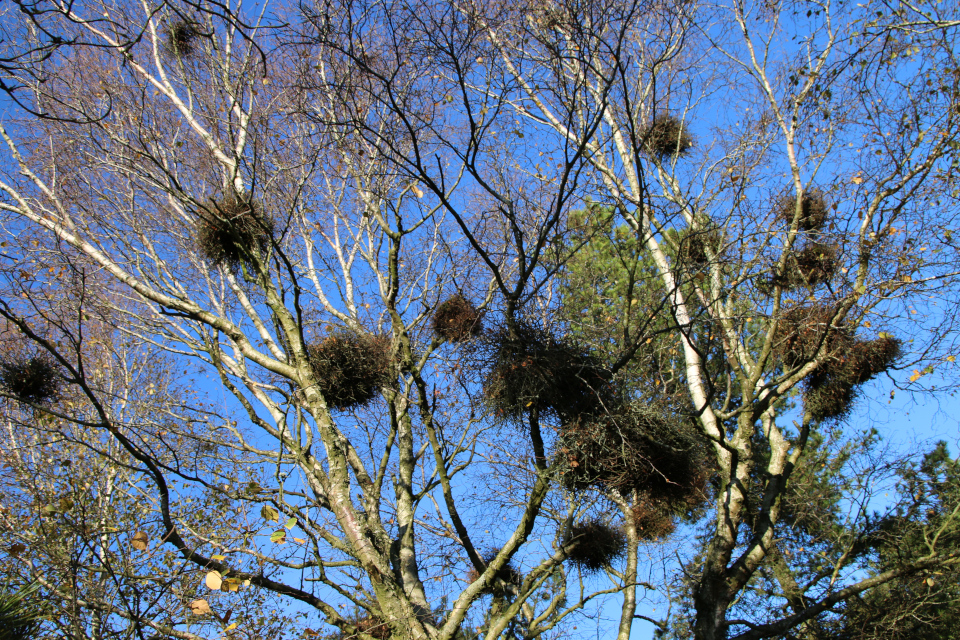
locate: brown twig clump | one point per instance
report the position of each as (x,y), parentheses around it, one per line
(32,379)
(456,320)
(351,367)
(374,626)
(813,210)
(695,245)
(652,521)
(506,578)
(667,137)
(806,329)
(829,400)
(182,38)
(636,450)
(831,390)
(530,369)
(812,265)
(596,545)
(232,230)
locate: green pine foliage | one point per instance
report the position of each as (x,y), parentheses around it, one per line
(20,613)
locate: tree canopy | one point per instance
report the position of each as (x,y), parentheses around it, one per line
(437,320)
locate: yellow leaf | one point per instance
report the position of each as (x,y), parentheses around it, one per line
(951,358)
(140,540)
(218,557)
(417,191)
(200,607)
(213,580)
(269,513)
(299,540)
(916,376)
(231,626)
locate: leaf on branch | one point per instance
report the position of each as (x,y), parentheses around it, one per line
(140,540)
(16,549)
(200,608)
(291,523)
(213,580)
(269,513)
(279,536)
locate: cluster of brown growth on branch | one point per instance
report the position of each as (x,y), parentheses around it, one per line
(31,379)
(351,367)
(652,519)
(182,39)
(847,361)
(667,137)
(636,450)
(812,261)
(505,579)
(603,442)
(375,627)
(456,320)
(695,246)
(596,544)
(530,368)
(231,230)
(813,264)
(813,210)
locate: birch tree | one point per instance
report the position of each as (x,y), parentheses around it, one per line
(356,217)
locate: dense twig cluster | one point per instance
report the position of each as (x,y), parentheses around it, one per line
(370,624)
(182,38)
(507,578)
(456,319)
(231,230)
(351,367)
(667,137)
(635,449)
(805,330)
(603,442)
(695,246)
(529,368)
(375,627)
(596,545)
(652,520)
(32,379)
(815,263)
(811,261)
(831,390)
(813,210)
(847,362)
